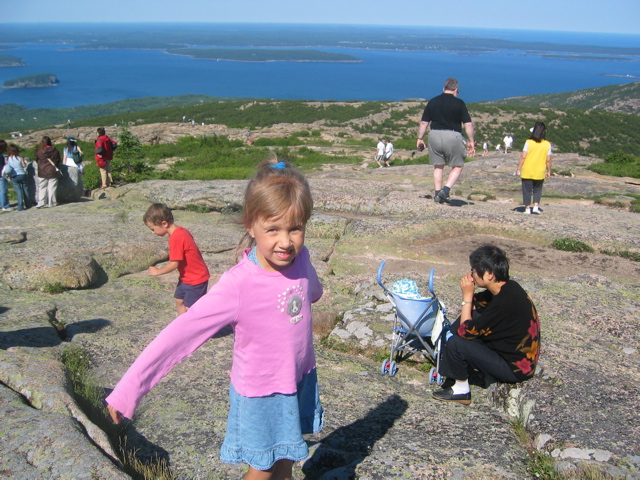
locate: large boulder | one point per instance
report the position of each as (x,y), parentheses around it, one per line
(70,186)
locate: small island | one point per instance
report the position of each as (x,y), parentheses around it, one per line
(11,61)
(33,81)
(262,55)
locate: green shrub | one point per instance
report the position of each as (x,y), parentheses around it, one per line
(633,256)
(571,245)
(618,164)
(54,288)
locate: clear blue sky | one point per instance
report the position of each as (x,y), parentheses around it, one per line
(609,16)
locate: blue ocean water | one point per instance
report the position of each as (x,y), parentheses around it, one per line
(100,76)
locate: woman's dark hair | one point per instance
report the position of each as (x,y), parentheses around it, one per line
(3,146)
(539,132)
(13,150)
(46,141)
(492,259)
(71,145)
(101,131)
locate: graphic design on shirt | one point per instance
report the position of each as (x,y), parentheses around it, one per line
(291,302)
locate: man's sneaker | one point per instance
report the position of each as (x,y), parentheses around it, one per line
(444,197)
(7,209)
(536,209)
(436,197)
(527,211)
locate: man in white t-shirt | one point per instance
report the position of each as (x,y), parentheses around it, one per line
(380,153)
(508,142)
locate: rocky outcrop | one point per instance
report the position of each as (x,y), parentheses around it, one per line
(580,410)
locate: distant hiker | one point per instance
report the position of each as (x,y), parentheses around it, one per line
(485,148)
(68,124)
(534,167)
(104,154)
(497,333)
(72,155)
(388,152)
(18,176)
(444,117)
(48,159)
(266,298)
(184,117)
(184,256)
(379,158)
(4,193)
(508,142)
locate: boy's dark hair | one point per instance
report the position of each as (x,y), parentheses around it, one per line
(45,142)
(158,213)
(101,131)
(492,259)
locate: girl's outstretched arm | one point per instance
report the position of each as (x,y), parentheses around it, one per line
(175,342)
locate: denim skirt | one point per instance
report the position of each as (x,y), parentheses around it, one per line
(263,430)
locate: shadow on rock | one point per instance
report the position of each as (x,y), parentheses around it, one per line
(38,337)
(85,326)
(342,450)
(41,337)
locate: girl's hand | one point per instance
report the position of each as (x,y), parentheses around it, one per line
(116,416)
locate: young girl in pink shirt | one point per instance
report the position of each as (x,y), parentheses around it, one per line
(267,299)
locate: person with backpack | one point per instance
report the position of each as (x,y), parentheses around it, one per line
(104,154)
(72,155)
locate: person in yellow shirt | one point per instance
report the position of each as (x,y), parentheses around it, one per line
(534,167)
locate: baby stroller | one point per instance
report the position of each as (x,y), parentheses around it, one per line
(419,326)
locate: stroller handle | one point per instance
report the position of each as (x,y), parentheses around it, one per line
(379,278)
(431,274)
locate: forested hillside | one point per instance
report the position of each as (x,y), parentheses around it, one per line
(615,98)
(586,131)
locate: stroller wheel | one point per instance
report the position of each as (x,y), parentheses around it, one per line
(432,375)
(385,367)
(393,368)
(439,379)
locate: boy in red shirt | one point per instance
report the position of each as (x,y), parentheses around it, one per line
(184,256)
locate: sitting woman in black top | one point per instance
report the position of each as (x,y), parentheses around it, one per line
(498,332)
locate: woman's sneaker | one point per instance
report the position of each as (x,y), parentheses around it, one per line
(536,209)
(527,211)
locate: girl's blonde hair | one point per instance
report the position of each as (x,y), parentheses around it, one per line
(277,190)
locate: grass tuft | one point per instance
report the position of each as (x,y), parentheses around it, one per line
(90,397)
(571,245)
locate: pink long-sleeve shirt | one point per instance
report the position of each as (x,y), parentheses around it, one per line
(270,313)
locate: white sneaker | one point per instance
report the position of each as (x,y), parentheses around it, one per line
(7,209)
(527,211)
(536,209)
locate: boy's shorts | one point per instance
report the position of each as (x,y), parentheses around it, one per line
(190,293)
